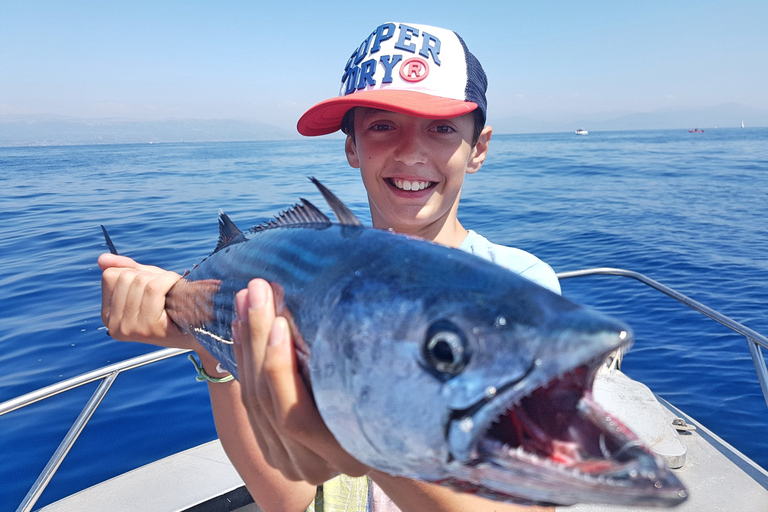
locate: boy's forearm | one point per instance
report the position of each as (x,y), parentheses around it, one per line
(411,496)
(268,487)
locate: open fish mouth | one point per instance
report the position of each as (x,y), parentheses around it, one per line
(565,447)
(560,425)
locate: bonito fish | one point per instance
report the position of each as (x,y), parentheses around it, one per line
(431,363)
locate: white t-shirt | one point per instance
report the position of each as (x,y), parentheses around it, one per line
(516,260)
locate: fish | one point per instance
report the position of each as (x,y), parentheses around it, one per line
(431,363)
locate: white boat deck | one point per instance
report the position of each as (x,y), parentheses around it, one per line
(718,478)
(191,479)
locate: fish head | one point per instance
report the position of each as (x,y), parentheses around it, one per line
(487,392)
(524,426)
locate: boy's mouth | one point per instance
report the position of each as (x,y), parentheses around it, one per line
(413,185)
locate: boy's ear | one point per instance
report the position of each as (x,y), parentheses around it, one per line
(479,150)
(352,157)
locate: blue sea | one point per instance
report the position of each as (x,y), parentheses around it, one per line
(688,210)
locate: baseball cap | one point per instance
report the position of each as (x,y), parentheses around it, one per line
(411,69)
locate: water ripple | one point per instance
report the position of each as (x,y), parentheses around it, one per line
(687,212)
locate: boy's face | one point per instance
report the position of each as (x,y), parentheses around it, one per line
(413,168)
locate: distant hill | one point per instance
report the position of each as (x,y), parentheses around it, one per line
(723,116)
(58,130)
(47,130)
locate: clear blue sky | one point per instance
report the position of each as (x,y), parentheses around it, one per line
(269,60)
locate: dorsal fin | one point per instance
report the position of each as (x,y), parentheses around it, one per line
(300,215)
(343,214)
(228,232)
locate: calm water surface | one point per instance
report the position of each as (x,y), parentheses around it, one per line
(688,210)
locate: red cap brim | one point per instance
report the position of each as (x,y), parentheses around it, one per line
(326,116)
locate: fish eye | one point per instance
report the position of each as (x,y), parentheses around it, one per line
(445,348)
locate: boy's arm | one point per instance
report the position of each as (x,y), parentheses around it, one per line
(133,308)
(268,487)
(298,442)
(291,433)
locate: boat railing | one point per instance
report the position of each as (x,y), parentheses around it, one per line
(755,340)
(108,374)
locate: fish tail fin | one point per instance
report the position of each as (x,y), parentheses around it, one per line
(110,245)
(190,304)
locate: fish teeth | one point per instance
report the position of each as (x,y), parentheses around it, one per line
(604,447)
(466,424)
(521,454)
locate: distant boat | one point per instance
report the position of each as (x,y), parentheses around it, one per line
(696,130)
(742,123)
(581,131)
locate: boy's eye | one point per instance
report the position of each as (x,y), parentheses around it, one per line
(380,127)
(444,128)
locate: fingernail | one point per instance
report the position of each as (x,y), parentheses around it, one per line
(241,311)
(257,294)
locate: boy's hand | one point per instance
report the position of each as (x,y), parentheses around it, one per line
(133,303)
(288,427)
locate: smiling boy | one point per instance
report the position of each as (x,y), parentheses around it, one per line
(413,107)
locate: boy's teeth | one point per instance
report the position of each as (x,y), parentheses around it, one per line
(411,185)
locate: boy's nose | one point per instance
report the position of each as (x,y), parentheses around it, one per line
(409,150)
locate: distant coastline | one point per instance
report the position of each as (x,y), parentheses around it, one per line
(726,115)
(63,131)
(50,130)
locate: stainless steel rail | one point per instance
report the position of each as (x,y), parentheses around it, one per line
(107,375)
(754,339)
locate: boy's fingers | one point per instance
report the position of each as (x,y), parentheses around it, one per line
(255,328)
(153,300)
(249,334)
(133,302)
(260,313)
(294,408)
(115,285)
(108,260)
(245,369)
(305,463)
(254,312)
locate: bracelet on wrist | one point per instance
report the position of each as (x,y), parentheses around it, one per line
(202,376)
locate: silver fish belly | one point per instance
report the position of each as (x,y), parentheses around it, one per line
(431,363)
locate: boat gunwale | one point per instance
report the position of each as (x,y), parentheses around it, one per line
(109,373)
